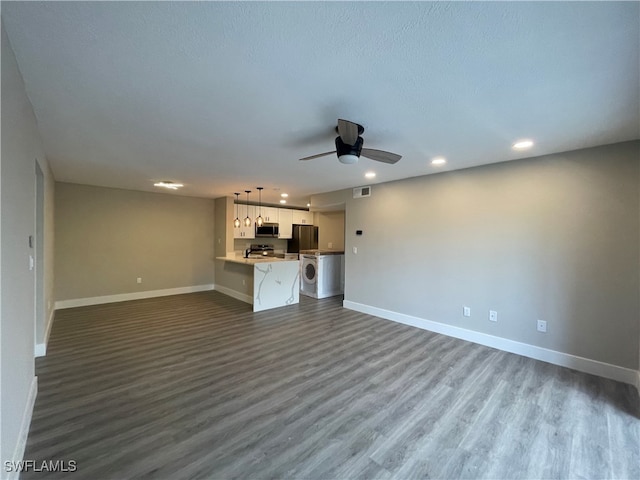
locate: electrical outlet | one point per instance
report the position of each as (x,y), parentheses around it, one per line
(244,282)
(355,250)
(139,279)
(542,326)
(493,315)
(466,311)
(330,245)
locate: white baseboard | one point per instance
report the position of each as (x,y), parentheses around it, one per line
(586,365)
(21,444)
(243,297)
(123,297)
(41,348)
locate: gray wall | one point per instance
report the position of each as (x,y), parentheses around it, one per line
(553,238)
(224,235)
(21,148)
(331,200)
(107,237)
(330,229)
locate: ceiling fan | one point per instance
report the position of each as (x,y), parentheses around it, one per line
(349,146)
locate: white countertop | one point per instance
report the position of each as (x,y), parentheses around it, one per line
(253,261)
(320,251)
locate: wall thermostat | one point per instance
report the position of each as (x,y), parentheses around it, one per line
(358,232)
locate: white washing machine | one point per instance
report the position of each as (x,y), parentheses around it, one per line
(321,275)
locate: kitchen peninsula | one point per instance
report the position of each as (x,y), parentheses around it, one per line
(275,281)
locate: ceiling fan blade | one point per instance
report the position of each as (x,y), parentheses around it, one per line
(348,131)
(318,155)
(380,155)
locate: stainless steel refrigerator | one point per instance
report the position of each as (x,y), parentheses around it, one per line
(304,237)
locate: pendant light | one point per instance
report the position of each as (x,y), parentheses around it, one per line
(259,220)
(236,222)
(247,220)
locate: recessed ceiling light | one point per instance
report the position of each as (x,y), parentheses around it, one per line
(438,161)
(522,144)
(284,195)
(283,201)
(308,204)
(168,184)
(370,174)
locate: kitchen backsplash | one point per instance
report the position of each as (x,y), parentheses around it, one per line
(279,245)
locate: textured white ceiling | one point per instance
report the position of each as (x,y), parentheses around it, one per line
(227,96)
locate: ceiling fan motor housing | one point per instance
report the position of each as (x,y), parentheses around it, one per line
(349,146)
(344,149)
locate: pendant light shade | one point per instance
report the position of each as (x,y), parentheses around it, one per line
(247,220)
(259,220)
(236,222)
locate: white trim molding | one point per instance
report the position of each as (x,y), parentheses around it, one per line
(243,297)
(41,348)
(123,297)
(586,365)
(21,444)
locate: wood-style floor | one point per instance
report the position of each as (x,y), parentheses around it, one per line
(198,386)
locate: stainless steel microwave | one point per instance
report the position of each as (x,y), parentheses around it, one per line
(267,230)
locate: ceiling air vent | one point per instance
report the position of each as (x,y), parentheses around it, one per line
(360,192)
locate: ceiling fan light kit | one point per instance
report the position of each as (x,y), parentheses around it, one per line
(348,159)
(349,146)
(349,154)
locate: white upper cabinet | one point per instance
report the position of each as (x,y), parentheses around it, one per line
(245,232)
(285,216)
(302,217)
(269,214)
